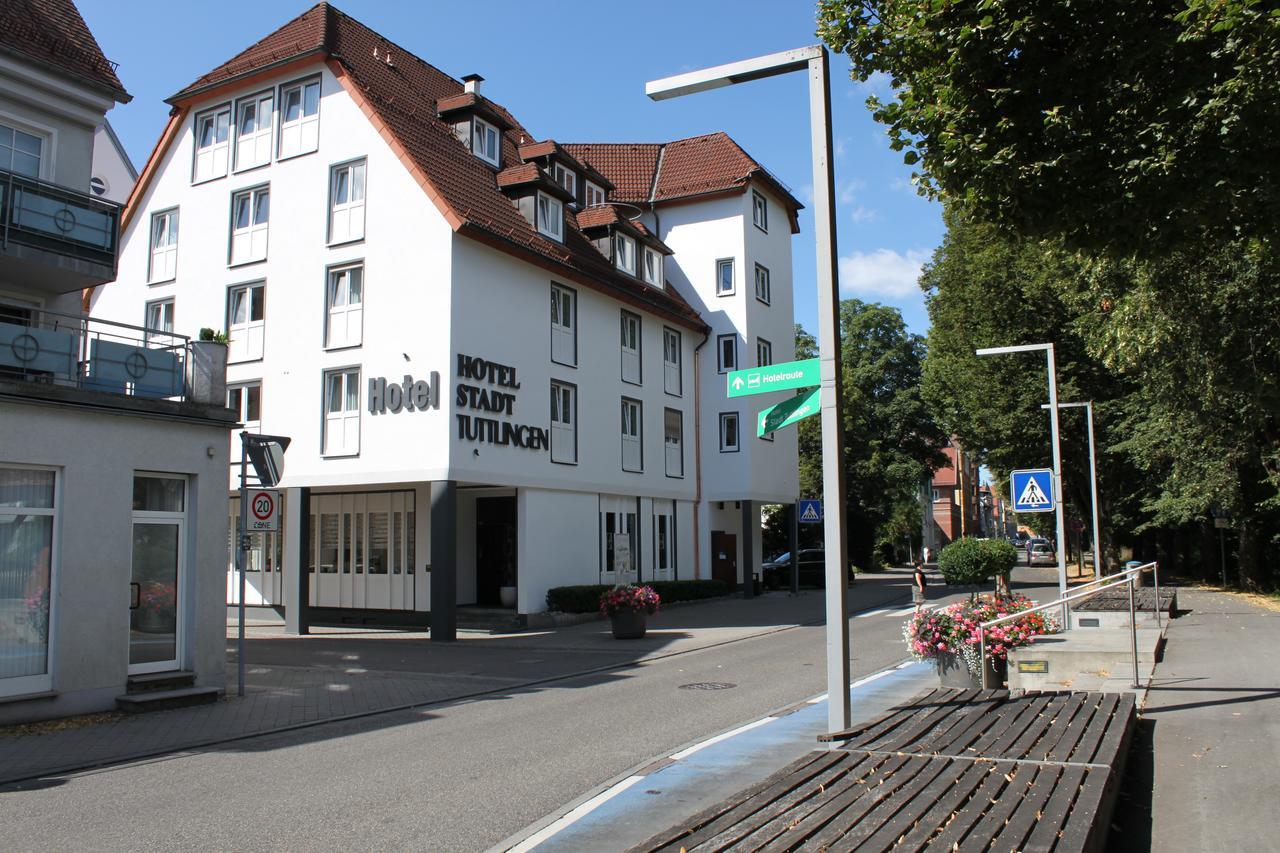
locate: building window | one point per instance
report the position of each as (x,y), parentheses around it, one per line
(594,194)
(632,436)
(164,246)
(619,538)
(486,142)
(724,277)
(550,217)
(212,144)
(763,292)
(624,253)
(344,298)
(727,346)
(764,353)
(564,423)
(299,118)
(159,320)
(341,412)
(671,354)
(253,131)
(759,211)
(20,152)
(246,322)
(673,441)
(653,267)
(27,559)
(631,348)
(246,401)
(250,211)
(664,540)
(564,326)
(939,495)
(346,202)
(567,178)
(729,432)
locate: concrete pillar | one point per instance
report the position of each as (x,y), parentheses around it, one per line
(444,561)
(750,529)
(297,554)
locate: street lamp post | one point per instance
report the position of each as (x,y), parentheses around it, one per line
(812,59)
(1057,450)
(1093,483)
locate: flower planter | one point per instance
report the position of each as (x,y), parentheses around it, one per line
(952,672)
(629,624)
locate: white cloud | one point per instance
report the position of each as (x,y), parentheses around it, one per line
(882,273)
(862,215)
(806,194)
(847,191)
(841,145)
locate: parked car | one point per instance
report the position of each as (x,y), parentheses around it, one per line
(777,572)
(1042,554)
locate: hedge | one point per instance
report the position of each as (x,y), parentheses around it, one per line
(586,598)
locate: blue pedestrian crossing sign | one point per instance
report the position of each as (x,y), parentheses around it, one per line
(1032,490)
(810,512)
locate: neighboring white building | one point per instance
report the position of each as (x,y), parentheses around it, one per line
(112,475)
(498,358)
(113,172)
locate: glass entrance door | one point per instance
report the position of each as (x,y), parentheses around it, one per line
(155,584)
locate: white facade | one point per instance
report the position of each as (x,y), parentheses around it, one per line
(113,173)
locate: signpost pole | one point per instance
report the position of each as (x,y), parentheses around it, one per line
(1057,481)
(1093,485)
(242,558)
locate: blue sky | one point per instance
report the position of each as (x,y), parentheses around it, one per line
(575,72)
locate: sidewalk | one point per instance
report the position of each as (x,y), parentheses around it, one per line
(336,674)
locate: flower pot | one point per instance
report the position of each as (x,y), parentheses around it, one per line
(507,596)
(629,624)
(952,672)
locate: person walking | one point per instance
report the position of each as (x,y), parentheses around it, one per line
(918,583)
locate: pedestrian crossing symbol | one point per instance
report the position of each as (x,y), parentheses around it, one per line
(1032,490)
(811,512)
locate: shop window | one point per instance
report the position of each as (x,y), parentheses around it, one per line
(27,568)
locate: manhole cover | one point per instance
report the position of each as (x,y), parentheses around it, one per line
(708,685)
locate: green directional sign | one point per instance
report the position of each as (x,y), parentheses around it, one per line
(774,377)
(789,411)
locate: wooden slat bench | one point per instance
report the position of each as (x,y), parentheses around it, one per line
(951,769)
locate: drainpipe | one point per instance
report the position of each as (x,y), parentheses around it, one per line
(697,454)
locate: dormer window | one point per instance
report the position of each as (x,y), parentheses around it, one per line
(550,217)
(653,267)
(624,253)
(566,178)
(594,194)
(486,142)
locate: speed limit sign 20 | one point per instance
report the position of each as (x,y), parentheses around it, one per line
(264,510)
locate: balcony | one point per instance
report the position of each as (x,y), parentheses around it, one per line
(53,239)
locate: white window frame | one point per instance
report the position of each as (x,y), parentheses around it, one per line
(673,452)
(664,558)
(760,211)
(593,194)
(300,135)
(253,149)
(564,422)
(653,266)
(238,399)
(249,241)
(164,255)
(727,446)
(764,291)
(721,265)
(210,162)
(722,364)
(672,361)
(343,318)
(482,133)
(565,177)
(564,325)
(40,682)
(157,308)
(764,352)
(550,216)
(632,433)
(247,336)
(346,218)
(631,344)
(624,253)
(12,148)
(341,430)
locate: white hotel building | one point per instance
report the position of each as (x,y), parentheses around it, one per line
(500,359)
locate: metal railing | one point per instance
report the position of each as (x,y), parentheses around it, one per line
(72,350)
(1125,577)
(58,219)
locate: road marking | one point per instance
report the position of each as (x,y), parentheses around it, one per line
(685,753)
(574,816)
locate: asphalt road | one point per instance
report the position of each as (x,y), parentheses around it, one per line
(458,777)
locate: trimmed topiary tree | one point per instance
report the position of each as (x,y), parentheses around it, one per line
(1000,557)
(971,562)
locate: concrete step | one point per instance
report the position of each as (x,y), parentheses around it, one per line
(1089,620)
(495,619)
(154,681)
(161,700)
(1084,659)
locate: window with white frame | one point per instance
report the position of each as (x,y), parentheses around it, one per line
(564,423)
(760,211)
(253,130)
(341,412)
(729,432)
(20,152)
(250,211)
(28,562)
(673,441)
(213,144)
(164,246)
(764,353)
(624,253)
(346,202)
(159,321)
(653,267)
(344,304)
(727,348)
(594,194)
(632,436)
(564,326)
(299,118)
(246,321)
(664,540)
(486,142)
(763,293)
(550,217)
(631,348)
(672,381)
(724,277)
(246,400)
(567,178)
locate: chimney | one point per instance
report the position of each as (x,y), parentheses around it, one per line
(471,83)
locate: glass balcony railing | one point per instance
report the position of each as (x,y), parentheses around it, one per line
(57,219)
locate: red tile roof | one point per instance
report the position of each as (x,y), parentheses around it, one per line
(52,31)
(630,165)
(602,215)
